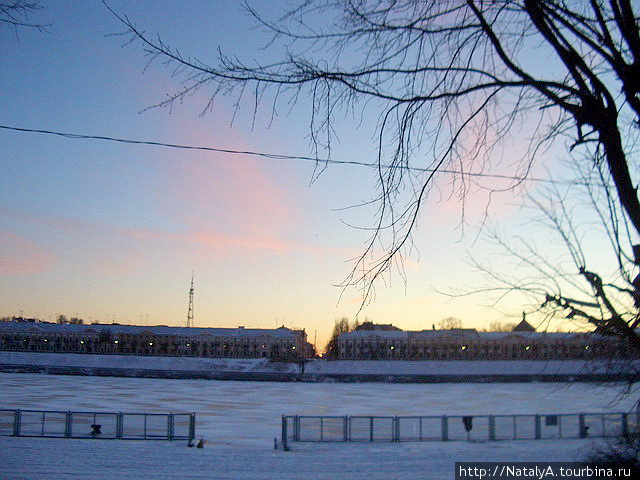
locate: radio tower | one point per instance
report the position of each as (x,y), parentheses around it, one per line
(190,312)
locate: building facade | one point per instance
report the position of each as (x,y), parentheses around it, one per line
(280,343)
(469,344)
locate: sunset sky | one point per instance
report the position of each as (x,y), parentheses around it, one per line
(112,232)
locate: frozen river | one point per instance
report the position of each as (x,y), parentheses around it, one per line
(250,412)
(242,418)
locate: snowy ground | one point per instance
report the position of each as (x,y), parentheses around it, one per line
(241,419)
(314,367)
(32,459)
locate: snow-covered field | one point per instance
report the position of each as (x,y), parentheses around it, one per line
(239,420)
(316,367)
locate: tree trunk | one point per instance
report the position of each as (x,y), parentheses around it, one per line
(617,162)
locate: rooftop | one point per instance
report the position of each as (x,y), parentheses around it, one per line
(80,329)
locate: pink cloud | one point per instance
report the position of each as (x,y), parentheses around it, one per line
(220,201)
(355,300)
(23,257)
(98,246)
(114,250)
(70,226)
(207,191)
(225,244)
(119,261)
(235,194)
(489,161)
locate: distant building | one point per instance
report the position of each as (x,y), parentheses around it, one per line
(469,344)
(279,343)
(377,327)
(19,319)
(524,326)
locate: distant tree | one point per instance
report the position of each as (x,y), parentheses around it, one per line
(450,323)
(341,326)
(62,319)
(498,326)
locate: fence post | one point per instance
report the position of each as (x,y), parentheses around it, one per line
(68,419)
(296,428)
(445,428)
(170,426)
(583,426)
(119,427)
(625,425)
(285,444)
(492,427)
(192,427)
(371,429)
(345,429)
(17,419)
(538,427)
(560,417)
(396,429)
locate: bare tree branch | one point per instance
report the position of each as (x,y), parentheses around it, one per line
(451,83)
(16,15)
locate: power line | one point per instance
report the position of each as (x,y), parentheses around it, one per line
(277,156)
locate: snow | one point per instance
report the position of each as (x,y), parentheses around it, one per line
(314,367)
(35,459)
(457,367)
(139,362)
(239,420)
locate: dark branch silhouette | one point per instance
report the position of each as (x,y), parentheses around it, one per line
(16,14)
(451,83)
(595,280)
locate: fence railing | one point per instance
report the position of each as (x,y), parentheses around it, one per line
(303,428)
(106,425)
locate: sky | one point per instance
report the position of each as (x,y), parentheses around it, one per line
(113,232)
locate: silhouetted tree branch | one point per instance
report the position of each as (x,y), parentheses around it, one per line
(340,326)
(450,323)
(595,281)
(450,82)
(16,14)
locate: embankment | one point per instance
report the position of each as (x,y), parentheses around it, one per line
(317,370)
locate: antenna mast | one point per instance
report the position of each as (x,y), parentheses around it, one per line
(190,311)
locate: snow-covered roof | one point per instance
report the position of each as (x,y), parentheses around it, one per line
(453,333)
(469,334)
(386,334)
(532,336)
(80,329)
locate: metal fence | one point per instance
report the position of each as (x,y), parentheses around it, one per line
(298,428)
(106,425)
